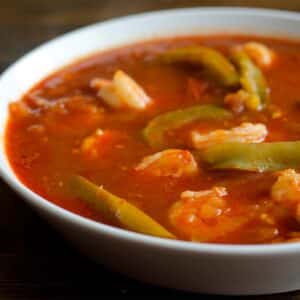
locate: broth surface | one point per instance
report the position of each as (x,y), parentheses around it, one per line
(48,125)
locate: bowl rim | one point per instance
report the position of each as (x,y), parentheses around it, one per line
(44,205)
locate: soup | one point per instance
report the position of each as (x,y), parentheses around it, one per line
(191,138)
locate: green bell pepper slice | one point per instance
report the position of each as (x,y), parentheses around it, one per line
(213,62)
(155,130)
(252,80)
(116,209)
(260,157)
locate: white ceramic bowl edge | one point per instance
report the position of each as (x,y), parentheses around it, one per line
(218,269)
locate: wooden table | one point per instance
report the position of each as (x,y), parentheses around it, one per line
(35,262)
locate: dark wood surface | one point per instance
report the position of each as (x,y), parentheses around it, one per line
(35,262)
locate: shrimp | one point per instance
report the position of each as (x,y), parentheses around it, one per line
(286,191)
(122,91)
(260,53)
(204,215)
(101,142)
(172,162)
(245,133)
(88,146)
(240,100)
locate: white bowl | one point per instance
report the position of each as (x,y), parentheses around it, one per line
(207,268)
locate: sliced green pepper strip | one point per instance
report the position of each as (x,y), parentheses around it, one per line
(214,62)
(252,157)
(252,80)
(116,209)
(157,127)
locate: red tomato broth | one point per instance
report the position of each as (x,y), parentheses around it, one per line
(43,140)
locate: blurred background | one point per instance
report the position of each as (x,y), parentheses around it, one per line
(35,262)
(27,23)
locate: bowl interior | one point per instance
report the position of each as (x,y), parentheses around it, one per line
(57,53)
